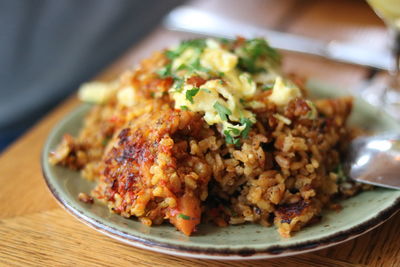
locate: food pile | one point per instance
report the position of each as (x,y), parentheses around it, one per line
(211,131)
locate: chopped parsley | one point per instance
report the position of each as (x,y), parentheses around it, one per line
(249,80)
(221,74)
(254,49)
(313,113)
(178,84)
(165,72)
(183,216)
(196,67)
(193,67)
(249,65)
(206,90)
(340,173)
(184,108)
(231,139)
(191,93)
(234,131)
(247,123)
(224,41)
(223,111)
(197,44)
(171,54)
(267,87)
(233,135)
(105,141)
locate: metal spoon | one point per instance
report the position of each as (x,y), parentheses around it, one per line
(375,160)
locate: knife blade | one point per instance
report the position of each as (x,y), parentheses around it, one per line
(187,19)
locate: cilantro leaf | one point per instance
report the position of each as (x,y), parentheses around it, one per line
(252,50)
(235,131)
(196,66)
(165,72)
(105,141)
(247,123)
(222,111)
(178,84)
(198,44)
(191,93)
(229,139)
(184,108)
(171,54)
(183,216)
(221,74)
(340,173)
(267,87)
(193,66)
(224,40)
(249,65)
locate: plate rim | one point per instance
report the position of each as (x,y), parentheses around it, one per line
(225,253)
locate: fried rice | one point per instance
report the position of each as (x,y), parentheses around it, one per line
(169,141)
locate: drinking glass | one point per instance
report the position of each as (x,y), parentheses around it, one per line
(388,95)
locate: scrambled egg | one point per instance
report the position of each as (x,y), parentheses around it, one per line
(211,92)
(127,96)
(283,93)
(218,59)
(94,92)
(227,91)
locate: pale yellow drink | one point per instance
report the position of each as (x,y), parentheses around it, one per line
(388,10)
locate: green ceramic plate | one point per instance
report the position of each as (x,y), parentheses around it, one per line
(359,215)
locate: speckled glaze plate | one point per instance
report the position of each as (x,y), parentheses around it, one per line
(359,215)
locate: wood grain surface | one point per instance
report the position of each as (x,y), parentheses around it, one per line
(34,230)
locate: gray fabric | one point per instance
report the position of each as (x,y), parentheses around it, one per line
(49,47)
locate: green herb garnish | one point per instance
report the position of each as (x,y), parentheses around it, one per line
(178,84)
(224,40)
(223,111)
(234,130)
(165,72)
(183,216)
(221,74)
(254,49)
(267,87)
(196,66)
(249,80)
(197,44)
(193,67)
(184,108)
(105,140)
(191,93)
(247,123)
(340,173)
(230,139)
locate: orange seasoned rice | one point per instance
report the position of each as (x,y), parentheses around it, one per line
(157,162)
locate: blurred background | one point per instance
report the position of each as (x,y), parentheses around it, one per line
(48,48)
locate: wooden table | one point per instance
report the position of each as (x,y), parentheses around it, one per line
(34,230)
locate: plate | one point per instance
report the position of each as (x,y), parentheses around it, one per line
(359,215)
